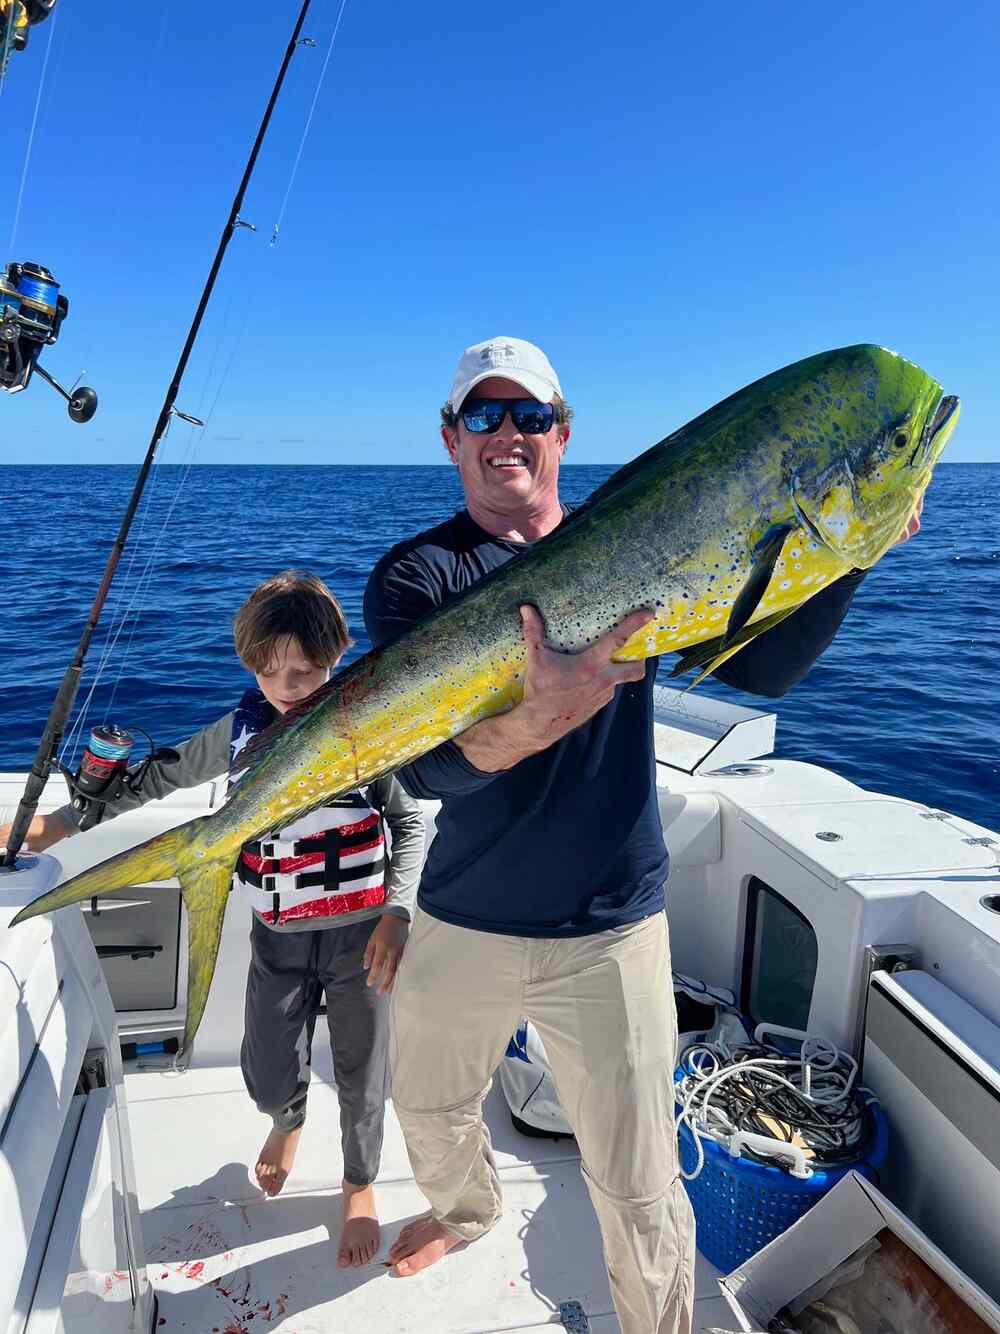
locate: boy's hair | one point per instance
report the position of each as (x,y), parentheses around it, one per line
(293,602)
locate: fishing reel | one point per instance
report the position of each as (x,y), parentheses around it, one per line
(17,18)
(103,773)
(32,310)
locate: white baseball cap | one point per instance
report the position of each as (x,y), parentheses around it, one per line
(509,358)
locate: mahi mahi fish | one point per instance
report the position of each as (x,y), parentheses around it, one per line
(721,530)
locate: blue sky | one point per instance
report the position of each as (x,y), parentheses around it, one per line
(672,200)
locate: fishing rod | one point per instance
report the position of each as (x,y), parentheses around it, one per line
(63,704)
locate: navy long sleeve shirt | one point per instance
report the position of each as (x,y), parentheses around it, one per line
(569,841)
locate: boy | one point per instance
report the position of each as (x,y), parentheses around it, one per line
(330,911)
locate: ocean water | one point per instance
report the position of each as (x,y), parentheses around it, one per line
(905,701)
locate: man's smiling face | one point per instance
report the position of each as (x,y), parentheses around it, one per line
(504,472)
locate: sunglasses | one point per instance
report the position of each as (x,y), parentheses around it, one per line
(528,415)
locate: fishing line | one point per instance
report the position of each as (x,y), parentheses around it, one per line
(31,132)
(187,463)
(73,735)
(138,591)
(137,603)
(145,578)
(308,125)
(62,705)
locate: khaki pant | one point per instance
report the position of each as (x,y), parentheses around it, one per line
(603,1007)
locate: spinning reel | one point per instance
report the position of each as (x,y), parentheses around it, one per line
(17,18)
(32,310)
(103,773)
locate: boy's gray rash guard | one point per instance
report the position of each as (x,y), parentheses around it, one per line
(206,756)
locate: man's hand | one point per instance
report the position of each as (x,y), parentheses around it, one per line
(912,523)
(43,831)
(561,691)
(384,951)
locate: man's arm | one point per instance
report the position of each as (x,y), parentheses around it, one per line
(781,657)
(561,690)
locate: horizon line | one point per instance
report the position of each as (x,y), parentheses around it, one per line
(264,463)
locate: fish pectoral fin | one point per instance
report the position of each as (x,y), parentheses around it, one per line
(826,518)
(765,557)
(714,652)
(206,890)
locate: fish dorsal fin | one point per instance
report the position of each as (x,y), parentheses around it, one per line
(765,557)
(352,680)
(712,653)
(263,743)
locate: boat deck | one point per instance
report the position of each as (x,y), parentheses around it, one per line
(226,1260)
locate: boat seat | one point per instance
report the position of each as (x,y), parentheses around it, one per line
(692,826)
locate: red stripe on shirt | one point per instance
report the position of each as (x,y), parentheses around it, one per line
(288,865)
(331,905)
(358,827)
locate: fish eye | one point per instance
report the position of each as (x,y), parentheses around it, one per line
(900,440)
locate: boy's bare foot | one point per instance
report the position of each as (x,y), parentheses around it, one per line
(421,1243)
(360,1235)
(276,1158)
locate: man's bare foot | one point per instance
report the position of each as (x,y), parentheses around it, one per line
(421,1243)
(276,1158)
(360,1235)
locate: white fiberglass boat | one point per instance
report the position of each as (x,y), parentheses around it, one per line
(126,1202)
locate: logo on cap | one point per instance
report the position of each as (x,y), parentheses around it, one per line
(498,354)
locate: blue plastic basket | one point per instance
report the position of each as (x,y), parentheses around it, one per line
(740,1205)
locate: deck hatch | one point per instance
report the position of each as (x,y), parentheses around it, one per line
(147,921)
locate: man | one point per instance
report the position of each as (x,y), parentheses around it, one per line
(543,890)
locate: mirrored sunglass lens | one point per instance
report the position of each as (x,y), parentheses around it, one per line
(482,415)
(533,418)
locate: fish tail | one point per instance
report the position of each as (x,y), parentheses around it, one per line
(156,859)
(204,885)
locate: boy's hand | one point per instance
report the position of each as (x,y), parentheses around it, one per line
(43,831)
(385,949)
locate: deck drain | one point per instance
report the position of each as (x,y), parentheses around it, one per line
(828,836)
(574,1318)
(991,901)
